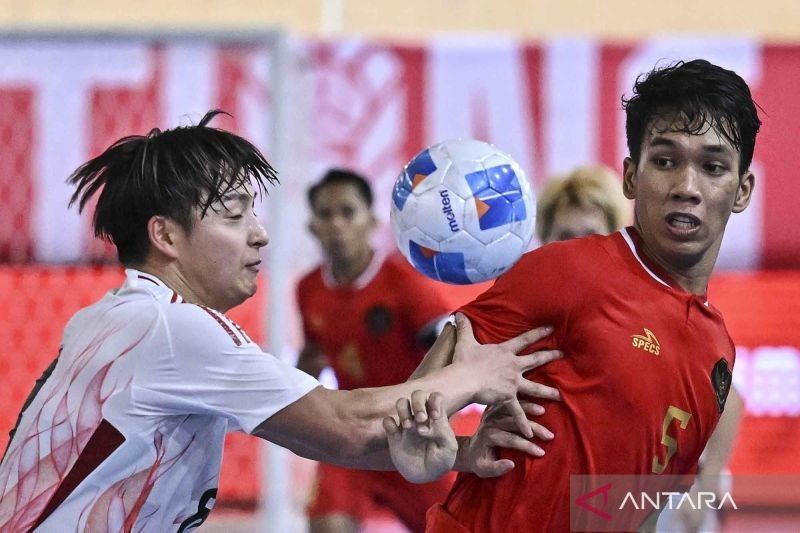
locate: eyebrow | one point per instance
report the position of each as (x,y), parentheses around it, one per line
(237,196)
(714,148)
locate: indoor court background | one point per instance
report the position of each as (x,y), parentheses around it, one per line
(367,85)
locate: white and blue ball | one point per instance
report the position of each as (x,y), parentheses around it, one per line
(463,211)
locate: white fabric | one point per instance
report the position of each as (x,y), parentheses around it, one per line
(173,378)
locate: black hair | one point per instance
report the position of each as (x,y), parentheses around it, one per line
(337,176)
(164,173)
(693,96)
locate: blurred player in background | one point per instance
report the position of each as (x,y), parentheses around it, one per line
(586,201)
(371,318)
(649,361)
(125,431)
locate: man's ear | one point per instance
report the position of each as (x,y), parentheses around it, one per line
(163,232)
(629,178)
(744,193)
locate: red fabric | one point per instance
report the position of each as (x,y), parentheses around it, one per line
(369,335)
(616,395)
(363,495)
(440,521)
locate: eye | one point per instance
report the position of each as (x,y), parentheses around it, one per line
(716,168)
(234,217)
(663,162)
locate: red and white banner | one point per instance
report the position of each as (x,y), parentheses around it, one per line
(369,105)
(62,102)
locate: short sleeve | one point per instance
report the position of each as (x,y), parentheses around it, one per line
(208,365)
(541,289)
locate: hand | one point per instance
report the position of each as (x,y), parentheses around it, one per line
(501,370)
(498,430)
(422,444)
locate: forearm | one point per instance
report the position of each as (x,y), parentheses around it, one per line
(366,408)
(719,446)
(439,355)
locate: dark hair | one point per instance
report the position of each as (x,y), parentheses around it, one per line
(167,173)
(693,96)
(337,176)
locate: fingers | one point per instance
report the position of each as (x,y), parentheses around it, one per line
(464,334)
(537,390)
(438,424)
(509,440)
(419,406)
(533,409)
(520,420)
(508,424)
(391,428)
(526,339)
(436,407)
(490,468)
(405,416)
(537,359)
(423,412)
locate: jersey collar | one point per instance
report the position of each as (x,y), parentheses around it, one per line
(152,284)
(634,241)
(363,279)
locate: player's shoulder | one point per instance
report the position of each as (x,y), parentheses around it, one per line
(582,253)
(188,322)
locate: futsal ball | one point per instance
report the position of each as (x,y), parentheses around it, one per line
(462,211)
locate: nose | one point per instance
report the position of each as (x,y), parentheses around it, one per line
(686,186)
(258,234)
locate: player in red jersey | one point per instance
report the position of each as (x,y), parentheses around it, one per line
(587,201)
(371,318)
(648,360)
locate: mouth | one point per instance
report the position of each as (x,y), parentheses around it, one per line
(683,224)
(255,266)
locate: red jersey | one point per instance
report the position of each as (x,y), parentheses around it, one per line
(369,330)
(643,381)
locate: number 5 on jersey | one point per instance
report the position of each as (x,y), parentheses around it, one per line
(673,413)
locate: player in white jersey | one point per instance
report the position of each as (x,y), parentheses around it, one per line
(125,430)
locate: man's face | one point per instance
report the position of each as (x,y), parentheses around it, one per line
(577,221)
(685,187)
(342,222)
(219,258)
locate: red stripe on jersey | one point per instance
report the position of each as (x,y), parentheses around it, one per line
(174,297)
(240,330)
(222,323)
(105,439)
(154,282)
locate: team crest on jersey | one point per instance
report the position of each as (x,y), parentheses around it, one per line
(647,342)
(379,320)
(721,379)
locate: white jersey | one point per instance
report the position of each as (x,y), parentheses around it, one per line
(126,434)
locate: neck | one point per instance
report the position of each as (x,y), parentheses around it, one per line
(173,278)
(346,270)
(691,273)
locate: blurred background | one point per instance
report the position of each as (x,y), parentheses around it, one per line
(367,84)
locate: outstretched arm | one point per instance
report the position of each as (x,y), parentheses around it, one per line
(344,427)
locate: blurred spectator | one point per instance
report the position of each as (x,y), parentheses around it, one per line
(586,201)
